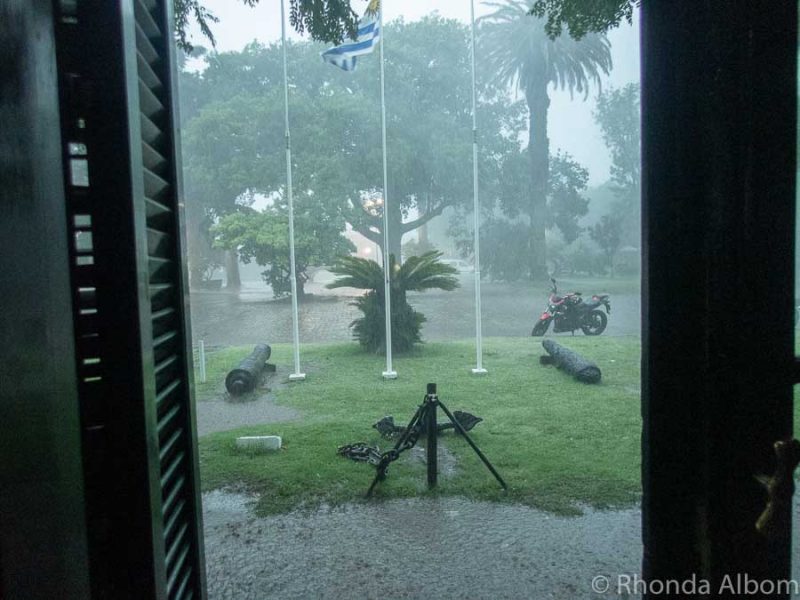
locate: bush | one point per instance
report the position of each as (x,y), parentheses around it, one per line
(370,330)
(418,273)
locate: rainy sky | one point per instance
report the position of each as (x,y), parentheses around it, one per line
(571,126)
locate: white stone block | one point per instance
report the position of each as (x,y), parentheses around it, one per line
(259,443)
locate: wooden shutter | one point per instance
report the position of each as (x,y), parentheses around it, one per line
(122,171)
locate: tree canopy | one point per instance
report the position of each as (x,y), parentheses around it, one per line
(262,236)
(234,142)
(582,17)
(329,21)
(505,239)
(333,20)
(618,115)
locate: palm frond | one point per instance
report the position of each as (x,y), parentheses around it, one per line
(425,272)
(357,273)
(518,52)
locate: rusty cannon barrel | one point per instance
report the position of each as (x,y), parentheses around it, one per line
(245,376)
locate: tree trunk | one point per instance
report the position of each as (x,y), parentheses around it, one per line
(422,233)
(234,281)
(395,232)
(301,283)
(539,154)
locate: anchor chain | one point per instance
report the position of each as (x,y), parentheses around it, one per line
(392,455)
(363,452)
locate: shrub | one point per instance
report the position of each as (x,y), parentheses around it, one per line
(418,273)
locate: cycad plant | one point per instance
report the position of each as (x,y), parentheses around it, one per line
(417,273)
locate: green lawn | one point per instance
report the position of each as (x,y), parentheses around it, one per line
(558,443)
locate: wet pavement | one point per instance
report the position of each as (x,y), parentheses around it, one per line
(443,548)
(220,413)
(509,310)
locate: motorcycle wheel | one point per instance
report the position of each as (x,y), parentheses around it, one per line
(594,323)
(540,328)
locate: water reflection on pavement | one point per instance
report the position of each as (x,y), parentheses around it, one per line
(508,310)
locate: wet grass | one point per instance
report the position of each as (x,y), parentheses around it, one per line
(558,443)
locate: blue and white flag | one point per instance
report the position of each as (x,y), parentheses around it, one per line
(344,56)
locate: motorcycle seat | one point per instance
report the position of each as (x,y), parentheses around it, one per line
(595,301)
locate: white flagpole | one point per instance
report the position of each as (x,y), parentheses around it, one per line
(297,375)
(478,370)
(389,373)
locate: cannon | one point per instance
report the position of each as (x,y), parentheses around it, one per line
(571,362)
(245,376)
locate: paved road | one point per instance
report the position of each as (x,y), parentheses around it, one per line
(252,316)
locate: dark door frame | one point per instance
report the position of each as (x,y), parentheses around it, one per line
(719,101)
(719,106)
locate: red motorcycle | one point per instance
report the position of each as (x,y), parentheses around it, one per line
(570,312)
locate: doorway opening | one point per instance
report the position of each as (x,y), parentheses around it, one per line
(294,520)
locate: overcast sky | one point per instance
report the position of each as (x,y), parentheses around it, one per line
(570,125)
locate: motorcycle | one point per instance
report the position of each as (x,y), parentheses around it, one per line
(570,312)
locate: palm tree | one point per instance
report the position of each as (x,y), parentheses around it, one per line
(418,273)
(517,51)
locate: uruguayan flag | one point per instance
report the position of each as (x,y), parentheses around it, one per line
(344,56)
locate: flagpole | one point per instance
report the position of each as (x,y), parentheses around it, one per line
(297,375)
(389,373)
(478,370)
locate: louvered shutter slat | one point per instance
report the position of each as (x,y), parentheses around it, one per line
(146,72)
(153,160)
(160,269)
(151,106)
(173,493)
(176,570)
(167,392)
(158,242)
(151,133)
(175,453)
(181,592)
(145,19)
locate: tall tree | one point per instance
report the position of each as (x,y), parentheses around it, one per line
(617,114)
(518,50)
